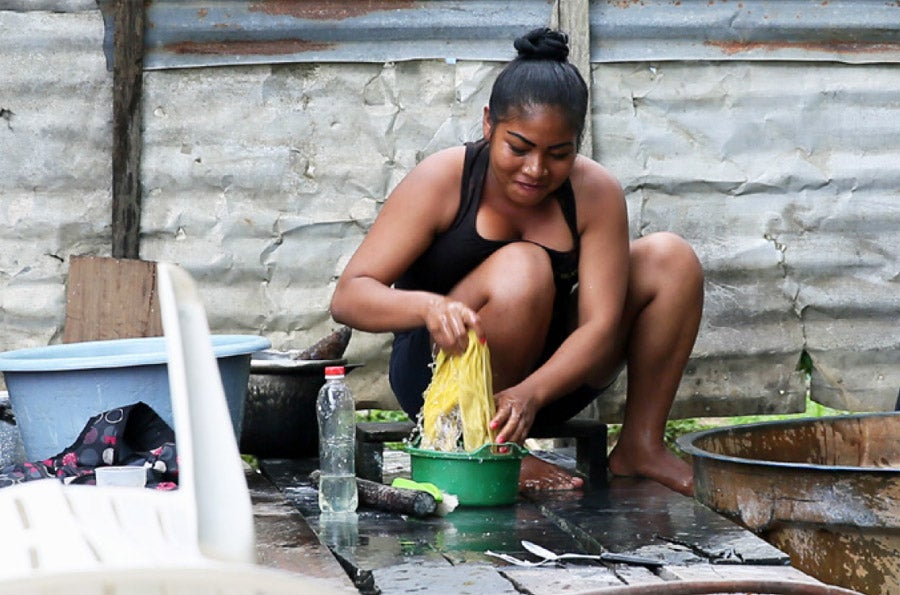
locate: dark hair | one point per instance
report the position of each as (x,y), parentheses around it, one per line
(540,75)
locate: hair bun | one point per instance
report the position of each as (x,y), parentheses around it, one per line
(543,44)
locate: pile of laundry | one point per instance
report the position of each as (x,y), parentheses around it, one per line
(131,435)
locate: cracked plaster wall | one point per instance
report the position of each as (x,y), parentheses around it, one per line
(262,181)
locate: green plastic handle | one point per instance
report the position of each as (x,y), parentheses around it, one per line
(422,486)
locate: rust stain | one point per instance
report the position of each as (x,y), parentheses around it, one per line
(842,47)
(856,560)
(258,48)
(627,3)
(335,10)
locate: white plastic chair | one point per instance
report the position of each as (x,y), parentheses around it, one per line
(199,539)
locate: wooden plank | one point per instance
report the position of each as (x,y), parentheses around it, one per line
(128,72)
(573,18)
(109,298)
(644,518)
(711,572)
(562,580)
(626,515)
(462,537)
(435,577)
(285,541)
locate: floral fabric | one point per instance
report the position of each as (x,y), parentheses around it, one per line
(132,435)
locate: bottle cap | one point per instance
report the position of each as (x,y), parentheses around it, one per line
(334,371)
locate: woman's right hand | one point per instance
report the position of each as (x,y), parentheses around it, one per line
(449,322)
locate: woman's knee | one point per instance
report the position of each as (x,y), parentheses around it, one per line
(517,278)
(522,273)
(666,255)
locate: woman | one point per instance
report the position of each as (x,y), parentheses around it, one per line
(524,241)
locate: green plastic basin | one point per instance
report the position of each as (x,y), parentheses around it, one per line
(484,477)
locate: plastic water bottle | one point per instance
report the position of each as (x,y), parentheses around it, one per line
(336,411)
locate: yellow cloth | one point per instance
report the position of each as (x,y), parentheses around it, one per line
(459,400)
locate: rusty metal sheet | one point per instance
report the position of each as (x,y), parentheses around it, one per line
(219,32)
(207,33)
(58,6)
(852,31)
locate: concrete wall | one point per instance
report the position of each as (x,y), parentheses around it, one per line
(261,180)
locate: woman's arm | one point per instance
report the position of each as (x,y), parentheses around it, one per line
(422,205)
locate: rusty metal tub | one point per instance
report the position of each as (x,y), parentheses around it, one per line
(826,491)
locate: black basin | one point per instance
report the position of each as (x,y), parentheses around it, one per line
(280,410)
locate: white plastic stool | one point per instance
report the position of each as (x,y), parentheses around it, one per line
(199,539)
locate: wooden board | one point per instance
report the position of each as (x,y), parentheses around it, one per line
(111,298)
(128,76)
(396,554)
(285,541)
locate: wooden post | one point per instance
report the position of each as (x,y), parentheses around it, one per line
(128,68)
(573,18)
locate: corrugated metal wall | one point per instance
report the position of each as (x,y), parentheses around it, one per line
(762,131)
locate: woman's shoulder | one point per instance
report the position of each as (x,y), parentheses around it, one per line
(432,185)
(592,178)
(436,173)
(598,194)
(445,161)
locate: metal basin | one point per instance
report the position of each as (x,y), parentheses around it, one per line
(826,491)
(280,409)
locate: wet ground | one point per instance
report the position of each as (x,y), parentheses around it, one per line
(658,535)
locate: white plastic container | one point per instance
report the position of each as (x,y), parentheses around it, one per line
(130,476)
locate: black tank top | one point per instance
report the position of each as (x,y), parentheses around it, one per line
(455,252)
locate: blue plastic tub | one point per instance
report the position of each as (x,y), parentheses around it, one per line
(55,390)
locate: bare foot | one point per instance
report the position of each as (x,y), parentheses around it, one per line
(662,465)
(537,474)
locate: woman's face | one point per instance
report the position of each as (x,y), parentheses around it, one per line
(532,152)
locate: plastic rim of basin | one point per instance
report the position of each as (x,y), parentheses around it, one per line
(115,353)
(483,477)
(55,390)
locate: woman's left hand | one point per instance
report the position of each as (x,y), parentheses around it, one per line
(515,414)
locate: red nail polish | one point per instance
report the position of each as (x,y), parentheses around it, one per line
(483,340)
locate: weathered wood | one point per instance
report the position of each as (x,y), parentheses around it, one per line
(285,541)
(573,18)
(735,572)
(590,444)
(109,298)
(128,67)
(644,518)
(437,577)
(331,346)
(630,516)
(561,580)
(377,431)
(370,439)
